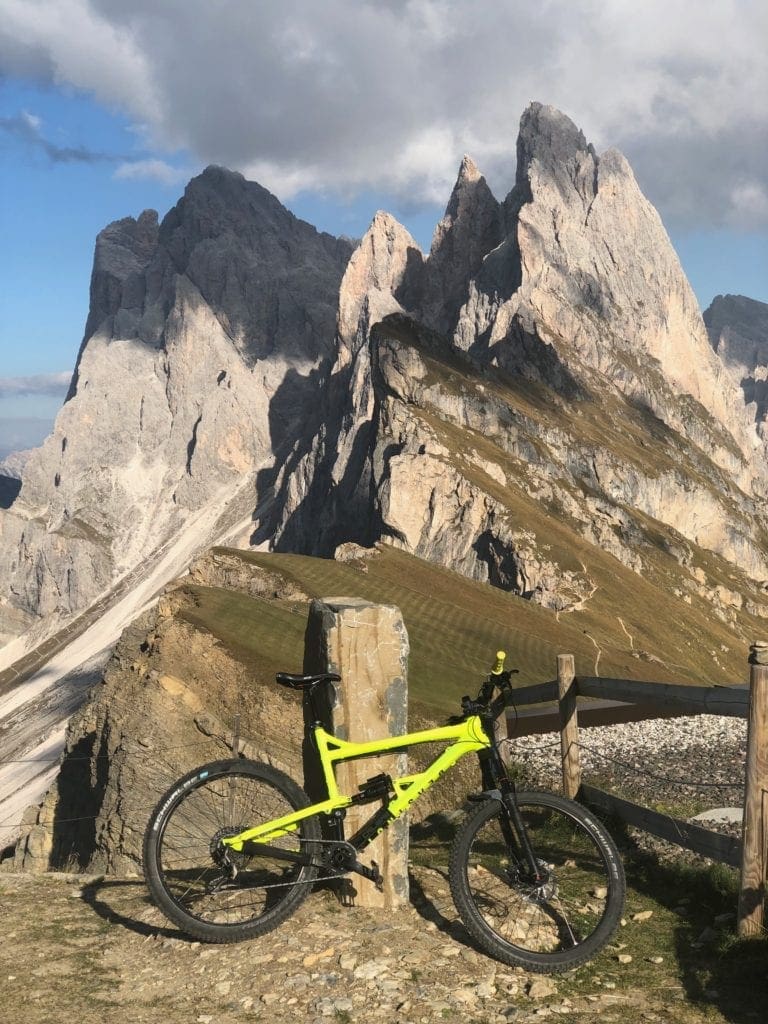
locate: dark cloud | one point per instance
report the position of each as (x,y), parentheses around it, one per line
(389,95)
(26,127)
(725,174)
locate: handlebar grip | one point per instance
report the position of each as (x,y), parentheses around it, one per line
(498,668)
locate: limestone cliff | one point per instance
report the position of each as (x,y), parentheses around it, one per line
(202,349)
(245,377)
(548,346)
(738,330)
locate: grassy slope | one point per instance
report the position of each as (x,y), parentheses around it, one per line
(632,626)
(455,624)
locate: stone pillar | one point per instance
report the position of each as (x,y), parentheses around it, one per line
(367,645)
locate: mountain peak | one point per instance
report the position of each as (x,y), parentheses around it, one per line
(550,140)
(383,273)
(215,173)
(469,229)
(468,171)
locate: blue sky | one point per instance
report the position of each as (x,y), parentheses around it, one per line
(342,109)
(52,210)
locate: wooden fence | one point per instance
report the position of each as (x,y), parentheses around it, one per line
(750,853)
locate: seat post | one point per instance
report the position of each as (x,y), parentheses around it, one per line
(315,709)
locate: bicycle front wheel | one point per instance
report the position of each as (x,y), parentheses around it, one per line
(552,925)
(190,887)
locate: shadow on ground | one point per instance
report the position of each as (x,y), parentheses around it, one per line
(715,968)
(125,902)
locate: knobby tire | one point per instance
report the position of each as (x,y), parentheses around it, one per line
(224,798)
(546,928)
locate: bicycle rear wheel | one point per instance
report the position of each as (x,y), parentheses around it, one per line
(214,801)
(553,925)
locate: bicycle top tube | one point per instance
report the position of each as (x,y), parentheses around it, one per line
(463,738)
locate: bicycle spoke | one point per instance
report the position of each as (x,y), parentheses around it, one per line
(529,921)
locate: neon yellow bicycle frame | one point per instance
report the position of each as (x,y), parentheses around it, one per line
(464,738)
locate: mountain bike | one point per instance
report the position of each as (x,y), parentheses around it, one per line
(234,846)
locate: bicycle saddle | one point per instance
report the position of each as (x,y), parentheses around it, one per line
(305,682)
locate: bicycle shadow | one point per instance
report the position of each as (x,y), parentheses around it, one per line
(433,902)
(96,895)
(437,908)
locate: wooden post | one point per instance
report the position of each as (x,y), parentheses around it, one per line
(569,725)
(754,839)
(501,735)
(367,645)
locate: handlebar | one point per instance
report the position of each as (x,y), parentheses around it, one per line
(499,678)
(498,668)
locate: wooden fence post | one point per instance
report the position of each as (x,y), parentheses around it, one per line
(501,735)
(754,838)
(569,725)
(367,645)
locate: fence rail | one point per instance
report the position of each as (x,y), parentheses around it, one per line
(618,700)
(703,841)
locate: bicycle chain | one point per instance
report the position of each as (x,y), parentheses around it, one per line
(305,881)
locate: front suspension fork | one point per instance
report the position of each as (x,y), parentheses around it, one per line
(516,834)
(496,781)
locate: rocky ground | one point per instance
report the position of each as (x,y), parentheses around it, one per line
(88,948)
(692,763)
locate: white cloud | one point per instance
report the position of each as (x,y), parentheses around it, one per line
(68,42)
(33,122)
(389,94)
(749,202)
(155,170)
(54,384)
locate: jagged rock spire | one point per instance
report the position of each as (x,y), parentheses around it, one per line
(470,228)
(383,276)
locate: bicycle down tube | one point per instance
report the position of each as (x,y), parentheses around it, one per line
(464,738)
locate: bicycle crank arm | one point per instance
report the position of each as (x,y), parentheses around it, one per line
(372,873)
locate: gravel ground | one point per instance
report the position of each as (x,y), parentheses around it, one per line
(696,762)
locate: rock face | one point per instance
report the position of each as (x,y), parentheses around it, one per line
(738,330)
(204,341)
(550,348)
(587,279)
(245,377)
(167,702)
